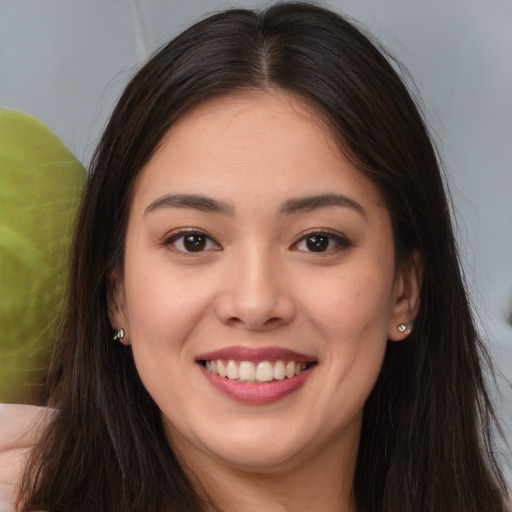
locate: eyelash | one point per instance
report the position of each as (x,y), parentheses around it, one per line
(181,235)
(331,236)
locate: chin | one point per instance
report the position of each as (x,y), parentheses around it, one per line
(260,447)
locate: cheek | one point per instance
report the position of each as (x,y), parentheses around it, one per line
(160,319)
(352,317)
(352,314)
(160,302)
(352,307)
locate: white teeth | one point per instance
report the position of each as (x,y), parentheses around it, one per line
(232,370)
(264,372)
(290,369)
(279,370)
(220,369)
(247,371)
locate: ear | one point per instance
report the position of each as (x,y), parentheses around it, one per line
(406,297)
(116,299)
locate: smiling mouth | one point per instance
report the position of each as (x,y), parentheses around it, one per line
(249,372)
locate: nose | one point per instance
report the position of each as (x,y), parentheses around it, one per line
(255,293)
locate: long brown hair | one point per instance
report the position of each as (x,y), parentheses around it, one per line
(426,442)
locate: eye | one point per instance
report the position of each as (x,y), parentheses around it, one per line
(321,242)
(191,241)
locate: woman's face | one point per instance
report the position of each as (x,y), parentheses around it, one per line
(255,249)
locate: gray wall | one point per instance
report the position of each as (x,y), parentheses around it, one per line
(66,61)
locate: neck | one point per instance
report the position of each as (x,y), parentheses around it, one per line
(282,493)
(323,482)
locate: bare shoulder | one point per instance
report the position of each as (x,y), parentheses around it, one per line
(20,429)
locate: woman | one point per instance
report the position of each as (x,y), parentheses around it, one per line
(266,237)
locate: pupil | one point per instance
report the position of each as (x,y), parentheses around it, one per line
(194,242)
(317,243)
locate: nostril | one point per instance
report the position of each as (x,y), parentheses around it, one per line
(254,325)
(250,308)
(273,320)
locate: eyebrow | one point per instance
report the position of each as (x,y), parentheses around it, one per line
(309,203)
(191,201)
(291,206)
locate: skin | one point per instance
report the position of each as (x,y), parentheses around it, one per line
(257,283)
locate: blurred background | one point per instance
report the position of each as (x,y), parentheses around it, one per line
(66,62)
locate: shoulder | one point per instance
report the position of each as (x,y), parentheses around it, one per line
(21,425)
(20,429)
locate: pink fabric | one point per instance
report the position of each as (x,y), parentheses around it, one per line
(20,428)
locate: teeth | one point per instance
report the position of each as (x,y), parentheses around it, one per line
(264,372)
(220,369)
(290,369)
(279,370)
(247,371)
(232,370)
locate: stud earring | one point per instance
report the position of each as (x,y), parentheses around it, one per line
(119,335)
(403,329)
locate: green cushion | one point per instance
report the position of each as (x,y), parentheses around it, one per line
(40,187)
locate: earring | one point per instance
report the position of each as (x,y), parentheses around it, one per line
(403,329)
(119,335)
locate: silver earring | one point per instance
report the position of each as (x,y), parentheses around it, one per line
(119,335)
(403,329)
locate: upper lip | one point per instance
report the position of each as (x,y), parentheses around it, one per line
(241,353)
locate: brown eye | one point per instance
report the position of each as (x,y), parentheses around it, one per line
(190,242)
(194,242)
(317,243)
(322,242)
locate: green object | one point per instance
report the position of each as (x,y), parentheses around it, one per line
(40,187)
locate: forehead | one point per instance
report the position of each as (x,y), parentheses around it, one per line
(247,109)
(267,142)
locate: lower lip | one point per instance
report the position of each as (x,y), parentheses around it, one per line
(256,393)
